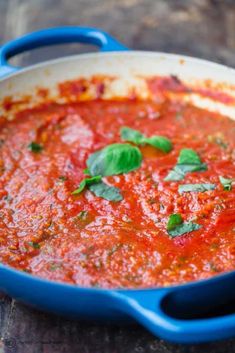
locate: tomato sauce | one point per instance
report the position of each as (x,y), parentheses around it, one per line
(89,241)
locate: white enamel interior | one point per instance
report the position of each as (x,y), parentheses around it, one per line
(130,69)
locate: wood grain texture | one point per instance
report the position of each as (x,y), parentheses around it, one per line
(203,28)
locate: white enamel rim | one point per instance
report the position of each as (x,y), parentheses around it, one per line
(130,68)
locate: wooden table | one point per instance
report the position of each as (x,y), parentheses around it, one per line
(203,28)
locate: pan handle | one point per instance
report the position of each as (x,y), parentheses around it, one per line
(146,307)
(54,36)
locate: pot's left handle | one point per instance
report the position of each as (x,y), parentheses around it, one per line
(53,36)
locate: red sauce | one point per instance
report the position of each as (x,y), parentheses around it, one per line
(89,241)
(159,85)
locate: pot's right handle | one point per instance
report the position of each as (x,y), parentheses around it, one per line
(146,308)
(53,36)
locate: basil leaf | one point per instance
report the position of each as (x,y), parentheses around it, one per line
(184,228)
(160,142)
(35,147)
(131,135)
(105,191)
(195,187)
(179,171)
(227,183)
(176,226)
(114,159)
(86,171)
(188,161)
(86,182)
(174,220)
(188,156)
(186,168)
(175,174)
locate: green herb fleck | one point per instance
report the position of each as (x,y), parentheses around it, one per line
(174,220)
(86,171)
(184,228)
(8,198)
(26,270)
(182,259)
(188,156)
(105,191)
(188,161)
(131,135)
(34,244)
(62,178)
(86,182)
(227,183)
(195,187)
(160,142)
(213,267)
(115,248)
(35,147)
(82,215)
(176,226)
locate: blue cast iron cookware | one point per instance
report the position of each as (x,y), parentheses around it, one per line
(183,313)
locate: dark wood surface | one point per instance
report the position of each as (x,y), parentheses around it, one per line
(203,28)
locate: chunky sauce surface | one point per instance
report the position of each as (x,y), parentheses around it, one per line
(90,241)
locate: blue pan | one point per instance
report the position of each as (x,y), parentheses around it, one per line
(181,313)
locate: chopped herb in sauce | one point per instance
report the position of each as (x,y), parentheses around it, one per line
(34,244)
(226,182)
(7,198)
(176,226)
(188,161)
(86,182)
(105,191)
(35,147)
(195,187)
(82,215)
(131,135)
(99,188)
(117,158)
(115,248)
(62,178)
(86,171)
(174,220)
(213,267)
(26,270)
(160,142)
